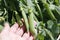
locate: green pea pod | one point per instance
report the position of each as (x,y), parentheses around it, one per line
(31,23)
(46,5)
(13,20)
(18,18)
(35,18)
(25,19)
(39,10)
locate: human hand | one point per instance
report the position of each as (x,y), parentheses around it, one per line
(14,33)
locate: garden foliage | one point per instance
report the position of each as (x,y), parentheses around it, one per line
(46,13)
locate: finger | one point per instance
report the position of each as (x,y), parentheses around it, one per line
(20,31)
(22,20)
(6,26)
(25,36)
(30,38)
(14,28)
(18,38)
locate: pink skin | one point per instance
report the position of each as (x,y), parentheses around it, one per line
(14,33)
(35,23)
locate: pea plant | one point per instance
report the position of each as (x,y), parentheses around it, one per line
(46,14)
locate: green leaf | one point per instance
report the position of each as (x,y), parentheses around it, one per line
(50,24)
(57,9)
(49,33)
(40,37)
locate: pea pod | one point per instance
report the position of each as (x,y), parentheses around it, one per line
(46,5)
(25,19)
(18,18)
(39,10)
(35,18)
(13,20)
(31,23)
